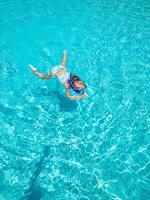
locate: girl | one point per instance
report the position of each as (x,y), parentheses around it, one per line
(69,80)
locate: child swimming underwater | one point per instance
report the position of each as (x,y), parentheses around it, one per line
(69,80)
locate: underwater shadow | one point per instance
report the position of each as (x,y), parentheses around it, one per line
(65,104)
(34,192)
(43,92)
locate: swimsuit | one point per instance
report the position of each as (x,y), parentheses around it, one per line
(66,76)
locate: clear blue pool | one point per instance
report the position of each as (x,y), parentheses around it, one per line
(52,148)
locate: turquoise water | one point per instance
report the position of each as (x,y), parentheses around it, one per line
(52,148)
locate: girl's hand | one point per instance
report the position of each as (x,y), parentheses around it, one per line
(84,96)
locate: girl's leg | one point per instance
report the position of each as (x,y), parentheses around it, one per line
(64,59)
(39,74)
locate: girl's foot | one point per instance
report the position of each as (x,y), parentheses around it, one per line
(33,68)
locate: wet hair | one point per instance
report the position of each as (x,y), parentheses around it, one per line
(75,78)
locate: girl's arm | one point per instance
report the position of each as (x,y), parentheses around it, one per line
(73,97)
(77,97)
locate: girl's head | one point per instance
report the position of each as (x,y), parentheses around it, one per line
(77,83)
